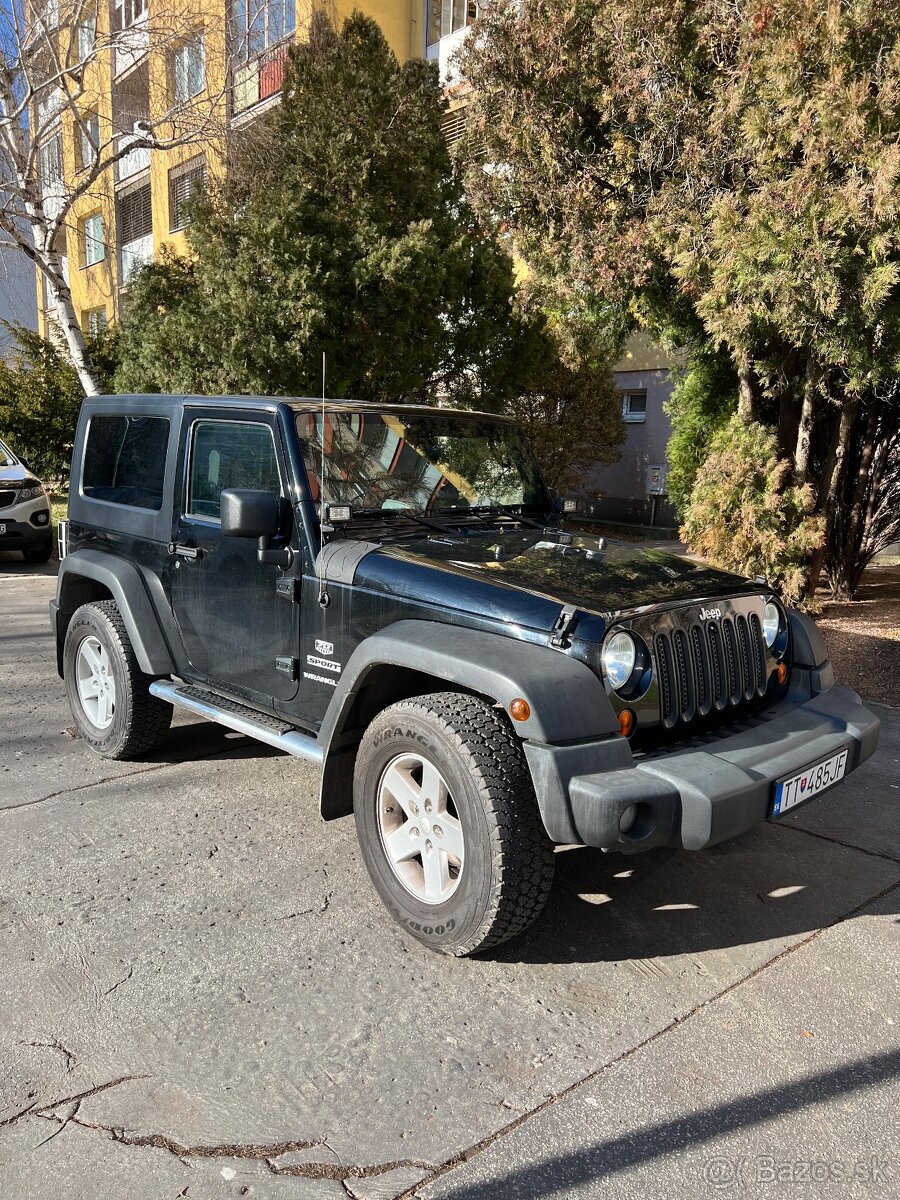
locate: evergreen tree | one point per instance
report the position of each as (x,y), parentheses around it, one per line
(729,172)
(40,397)
(344,231)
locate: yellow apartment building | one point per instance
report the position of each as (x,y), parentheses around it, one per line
(198,70)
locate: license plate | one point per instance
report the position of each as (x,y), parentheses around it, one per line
(2,529)
(811,782)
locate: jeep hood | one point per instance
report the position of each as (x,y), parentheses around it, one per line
(527,577)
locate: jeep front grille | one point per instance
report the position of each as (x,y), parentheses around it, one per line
(6,499)
(709,667)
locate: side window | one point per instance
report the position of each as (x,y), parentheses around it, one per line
(229,454)
(125,460)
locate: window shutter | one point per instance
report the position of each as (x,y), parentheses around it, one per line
(185,182)
(453,124)
(135,214)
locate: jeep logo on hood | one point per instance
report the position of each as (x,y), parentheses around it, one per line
(710,614)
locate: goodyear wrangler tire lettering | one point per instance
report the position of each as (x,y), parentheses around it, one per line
(411,734)
(448,766)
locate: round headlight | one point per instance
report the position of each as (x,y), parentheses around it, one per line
(619,659)
(771,623)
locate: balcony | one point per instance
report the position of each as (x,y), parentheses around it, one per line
(130,47)
(258,80)
(48,107)
(54,200)
(134,161)
(443,50)
(133,256)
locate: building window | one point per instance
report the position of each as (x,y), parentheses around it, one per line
(93,247)
(125,460)
(93,322)
(634,407)
(446,16)
(188,71)
(87,140)
(185,183)
(129,12)
(86,36)
(135,214)
(453,124)
(258,24)
(50,169)
(135,226)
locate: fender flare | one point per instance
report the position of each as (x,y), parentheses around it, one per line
(809,649)
(567,700)
(126,585)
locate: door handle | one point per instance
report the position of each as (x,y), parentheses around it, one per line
(190,552)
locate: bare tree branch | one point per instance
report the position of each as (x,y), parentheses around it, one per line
(51,51)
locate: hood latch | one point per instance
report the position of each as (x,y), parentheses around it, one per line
(565,623)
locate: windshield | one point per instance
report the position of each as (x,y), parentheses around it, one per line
(428,465)
(7,458)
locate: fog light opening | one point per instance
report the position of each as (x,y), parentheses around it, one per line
(41,518)
(628,818)
(637,821)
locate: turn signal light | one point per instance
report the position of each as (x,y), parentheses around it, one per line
(519,709)
(627,722)
(781,673)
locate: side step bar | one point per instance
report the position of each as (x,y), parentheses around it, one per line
(240,718)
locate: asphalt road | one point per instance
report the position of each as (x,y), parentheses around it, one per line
(201,997)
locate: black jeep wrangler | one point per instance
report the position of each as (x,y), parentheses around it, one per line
(390,592)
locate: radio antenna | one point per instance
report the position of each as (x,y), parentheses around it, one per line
(322,497)
(324,598)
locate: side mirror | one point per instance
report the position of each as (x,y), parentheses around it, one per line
(250,513)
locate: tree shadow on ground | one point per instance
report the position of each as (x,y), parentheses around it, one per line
(589,1164)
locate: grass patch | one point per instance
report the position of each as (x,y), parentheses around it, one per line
(59,506)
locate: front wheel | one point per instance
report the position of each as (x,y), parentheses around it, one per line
(448,823)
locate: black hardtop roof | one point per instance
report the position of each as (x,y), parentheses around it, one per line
(298,403)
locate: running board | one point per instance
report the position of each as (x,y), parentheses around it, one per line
(240,718)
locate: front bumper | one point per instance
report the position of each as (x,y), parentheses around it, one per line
(708,789)
(27,524)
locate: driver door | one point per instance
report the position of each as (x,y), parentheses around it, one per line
(239,634)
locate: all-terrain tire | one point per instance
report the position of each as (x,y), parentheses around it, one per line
(139,720)
(507,868)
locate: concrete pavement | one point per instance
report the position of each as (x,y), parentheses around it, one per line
(202,997)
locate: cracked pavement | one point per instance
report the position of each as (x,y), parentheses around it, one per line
(201,996)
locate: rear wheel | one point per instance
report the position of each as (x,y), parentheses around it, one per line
(108,692)
(448,823)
